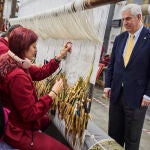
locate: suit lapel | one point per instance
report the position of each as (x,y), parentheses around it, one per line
(139,43)
(122,46)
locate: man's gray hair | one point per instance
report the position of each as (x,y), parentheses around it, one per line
(134,8)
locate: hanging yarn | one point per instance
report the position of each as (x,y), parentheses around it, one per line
(85,28)
(63,23)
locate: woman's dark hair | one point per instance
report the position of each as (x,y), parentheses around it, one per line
(11,28)
(20,40)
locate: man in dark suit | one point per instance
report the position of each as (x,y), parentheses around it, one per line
(127,80)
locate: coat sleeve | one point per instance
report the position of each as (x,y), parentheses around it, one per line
(40,73)
(24,101)
(147,90)
(110,69)
(3,49)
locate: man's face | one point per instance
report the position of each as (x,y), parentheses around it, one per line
(130,22)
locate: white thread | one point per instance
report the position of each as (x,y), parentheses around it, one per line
(67,25)
(26,63)
(11,54)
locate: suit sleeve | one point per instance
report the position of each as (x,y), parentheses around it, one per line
(147,91)
(40,73)
(24,100)
(110,69)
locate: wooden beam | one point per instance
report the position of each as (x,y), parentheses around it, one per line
(95,3)
(13,8)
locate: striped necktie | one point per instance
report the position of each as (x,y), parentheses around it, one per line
(129,49)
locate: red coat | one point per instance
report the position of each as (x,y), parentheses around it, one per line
(27,115)
(3,46)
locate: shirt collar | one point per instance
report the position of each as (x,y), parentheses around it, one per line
(137,33)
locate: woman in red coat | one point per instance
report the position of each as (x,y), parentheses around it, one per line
(28,112)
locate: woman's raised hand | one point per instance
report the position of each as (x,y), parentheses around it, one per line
(67,48)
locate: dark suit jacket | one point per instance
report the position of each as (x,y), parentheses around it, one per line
(136,76)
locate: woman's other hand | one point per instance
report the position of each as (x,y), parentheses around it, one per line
(56,89)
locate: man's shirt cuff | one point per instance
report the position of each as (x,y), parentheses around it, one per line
(146,97)
(107,88)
